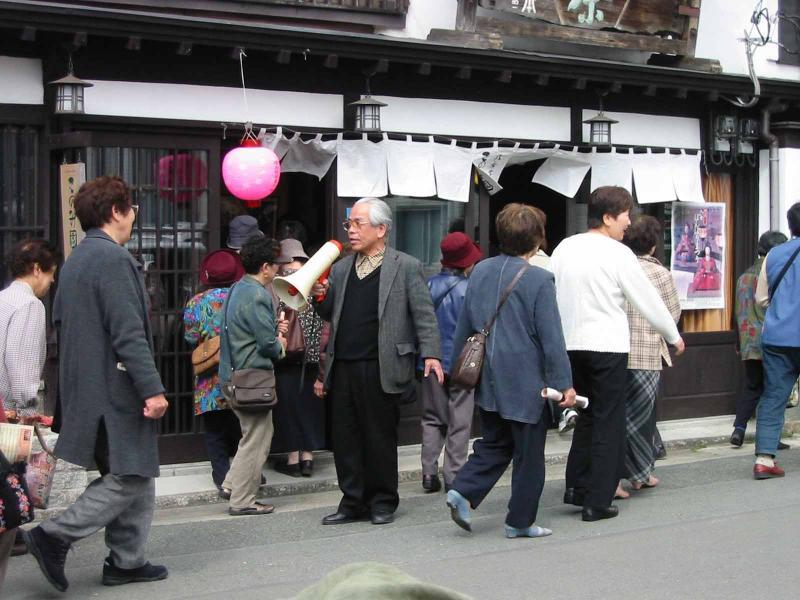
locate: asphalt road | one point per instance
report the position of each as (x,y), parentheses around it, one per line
(709,531)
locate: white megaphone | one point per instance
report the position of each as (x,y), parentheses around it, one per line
(294,290)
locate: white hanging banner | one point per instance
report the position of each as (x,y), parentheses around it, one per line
(361,168)
(686,177)
(563,175)
(452,167)
(312,156)
(410,168)
(277,142)
(652,175)
(490,164)
(609,169)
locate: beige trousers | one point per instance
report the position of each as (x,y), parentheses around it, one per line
(244,475)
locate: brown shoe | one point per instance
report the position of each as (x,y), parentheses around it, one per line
(765,472)
(257,509)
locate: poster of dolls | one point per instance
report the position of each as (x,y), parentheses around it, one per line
(698,254)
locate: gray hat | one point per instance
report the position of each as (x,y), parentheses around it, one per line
(293,250)
(241,229)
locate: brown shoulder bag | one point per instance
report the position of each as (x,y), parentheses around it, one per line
(466,372)
(206,356)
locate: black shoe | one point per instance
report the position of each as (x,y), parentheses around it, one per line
(51,554)
(661,453)
(19,548)
(306,468)
(574,497)
(263,480)
(783,446)
(596,513)
(737,437)
(224,493)
(382,518)
(447,487)
(339,518)
(431,483)
(113,575)
(287,469)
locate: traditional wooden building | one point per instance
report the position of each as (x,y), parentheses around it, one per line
(486,104)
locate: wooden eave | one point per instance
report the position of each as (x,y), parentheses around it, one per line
(96,21)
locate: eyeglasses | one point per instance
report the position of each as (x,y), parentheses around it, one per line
(135,208)
(353,223)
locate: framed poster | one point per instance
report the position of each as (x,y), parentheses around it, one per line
(698,254)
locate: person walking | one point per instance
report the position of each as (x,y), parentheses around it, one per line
(299,416)
(749,321)
(23,327)
(110,392)
(778,289)
(447,409)
(648,351)
(595,276)
(202,320)
(525,353)
(381,316)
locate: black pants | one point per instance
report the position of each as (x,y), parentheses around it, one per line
(222,439)
(502,442)
(597,456)
(753,388)
(364,429)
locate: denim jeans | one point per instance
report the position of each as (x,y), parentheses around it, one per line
(781,369)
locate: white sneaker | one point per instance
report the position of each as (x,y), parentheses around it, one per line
(567,421)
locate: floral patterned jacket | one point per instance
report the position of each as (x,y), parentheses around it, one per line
(202,319)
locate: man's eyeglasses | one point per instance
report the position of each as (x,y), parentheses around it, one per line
(135,208)
(351,223)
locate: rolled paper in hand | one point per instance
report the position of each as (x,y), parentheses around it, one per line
(556,396)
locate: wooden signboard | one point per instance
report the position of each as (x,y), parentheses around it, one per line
(633,16)
(72,177)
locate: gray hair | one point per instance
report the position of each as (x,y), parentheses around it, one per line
(379,212)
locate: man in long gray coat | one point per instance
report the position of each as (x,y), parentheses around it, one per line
(110,391)
(381,316)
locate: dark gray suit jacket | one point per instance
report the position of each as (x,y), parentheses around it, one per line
(105,358)
(407,323)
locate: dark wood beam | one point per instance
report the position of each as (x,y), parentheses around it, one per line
(464,73)
(284,57)
(184,49)
(682,93)
(79,39)
(424,69)
(579,84)
(615,88)
(28,34)
(235,51)
(713,96)
(381,66)
(650,90)
(504,76)
(133,43)
(331,61)
(543,80)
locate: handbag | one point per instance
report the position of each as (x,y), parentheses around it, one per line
(206,356)
(15,503)
(295,342)
(250,390)
(40,472)
(466,372)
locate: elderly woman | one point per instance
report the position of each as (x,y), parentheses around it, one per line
(527,332)
(648,349)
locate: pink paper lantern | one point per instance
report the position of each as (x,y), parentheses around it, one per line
(182,171)
(251,173)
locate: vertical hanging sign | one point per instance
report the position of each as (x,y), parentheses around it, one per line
(72,177)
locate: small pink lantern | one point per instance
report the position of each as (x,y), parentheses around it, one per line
(179,172)
(251,172)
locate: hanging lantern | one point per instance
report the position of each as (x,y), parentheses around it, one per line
(184,174)
(69,93)
(368,114)
(251,172)
(600,129)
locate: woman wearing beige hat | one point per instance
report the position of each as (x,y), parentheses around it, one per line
(300,414)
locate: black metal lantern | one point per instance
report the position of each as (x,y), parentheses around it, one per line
(69,93)
(368,114)
(600,129)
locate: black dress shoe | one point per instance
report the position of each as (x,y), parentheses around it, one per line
(113,575)
(287,469)
(782,446)
(306,468)
(382,518)
(431,483)
(574,497)
(50,553)
(737,438)
(339,518)
(596,513)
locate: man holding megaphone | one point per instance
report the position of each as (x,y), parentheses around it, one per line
(381,316)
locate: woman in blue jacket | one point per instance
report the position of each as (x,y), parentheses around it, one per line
(525,352)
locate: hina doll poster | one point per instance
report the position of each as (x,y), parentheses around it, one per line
(698,254)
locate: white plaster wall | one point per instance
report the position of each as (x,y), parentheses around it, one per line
(209,103)
(21,80)
(719,34)
(424,15)
(789,186)
(475,119)
(637,129)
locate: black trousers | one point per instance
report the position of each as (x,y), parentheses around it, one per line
(597,456)
(505,441)
(753,388)
(222,439)
(364,430)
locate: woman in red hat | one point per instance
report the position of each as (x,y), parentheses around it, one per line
(202,320)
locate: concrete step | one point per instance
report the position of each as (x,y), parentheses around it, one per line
(190,484)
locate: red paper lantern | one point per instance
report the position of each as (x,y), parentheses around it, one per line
(178,171)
